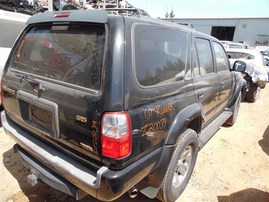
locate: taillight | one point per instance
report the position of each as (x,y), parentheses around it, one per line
(116,134)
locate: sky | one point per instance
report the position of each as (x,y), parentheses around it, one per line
(204,8)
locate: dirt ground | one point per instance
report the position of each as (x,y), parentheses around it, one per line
(232,167)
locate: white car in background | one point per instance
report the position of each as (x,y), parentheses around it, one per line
(230,44)
(256,73)
(265,51)
(4,53)
(11,24)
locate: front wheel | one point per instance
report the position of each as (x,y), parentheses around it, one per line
(253,94)
(181,166)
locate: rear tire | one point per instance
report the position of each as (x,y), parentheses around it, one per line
(181,166)
(253,94)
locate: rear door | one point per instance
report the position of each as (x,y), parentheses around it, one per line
(206,82)
(162,88)
(52,86)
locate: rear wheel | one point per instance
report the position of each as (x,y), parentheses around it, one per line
(181,166)
(253,94)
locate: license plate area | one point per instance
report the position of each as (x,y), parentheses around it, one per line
(41,117)
(39,113)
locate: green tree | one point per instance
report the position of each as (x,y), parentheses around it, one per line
(172,14)
(166,15)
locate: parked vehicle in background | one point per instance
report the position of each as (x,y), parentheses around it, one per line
(11,24)
(4,53)
(32,7)
(17,6)
(230,44)
(264,51)
(41,5)
(256,73)
(100,105)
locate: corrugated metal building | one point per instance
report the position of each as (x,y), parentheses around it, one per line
(253,31)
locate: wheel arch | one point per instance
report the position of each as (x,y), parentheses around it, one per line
(239,86)
(190,117)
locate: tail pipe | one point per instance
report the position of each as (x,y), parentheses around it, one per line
(133,192)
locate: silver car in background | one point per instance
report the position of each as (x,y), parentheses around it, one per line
(256,73)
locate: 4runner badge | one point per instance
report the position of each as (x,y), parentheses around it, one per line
(81,119)
(86,147)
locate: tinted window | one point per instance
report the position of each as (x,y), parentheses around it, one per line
(221,57)
(204,55)
(160,55)
(195,64)
(69,53)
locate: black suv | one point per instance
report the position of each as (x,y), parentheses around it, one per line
(102,104)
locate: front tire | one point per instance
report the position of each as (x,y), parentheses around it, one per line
(181,166)
(253,94)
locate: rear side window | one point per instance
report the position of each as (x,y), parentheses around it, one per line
(160,55)
(205,56)
(70,53)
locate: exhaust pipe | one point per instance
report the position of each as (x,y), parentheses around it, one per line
(133,192)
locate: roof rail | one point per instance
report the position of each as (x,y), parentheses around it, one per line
(128,12)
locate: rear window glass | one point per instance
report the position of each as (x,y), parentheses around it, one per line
(160,55)
(69,53)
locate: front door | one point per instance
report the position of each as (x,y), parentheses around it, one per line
(224,75)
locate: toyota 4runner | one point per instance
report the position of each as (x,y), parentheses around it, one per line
(103,104)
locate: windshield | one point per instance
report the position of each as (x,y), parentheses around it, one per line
(71,53)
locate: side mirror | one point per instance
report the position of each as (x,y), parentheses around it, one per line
(239,66)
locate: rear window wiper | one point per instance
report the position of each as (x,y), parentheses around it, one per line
(38,88)
(29,78)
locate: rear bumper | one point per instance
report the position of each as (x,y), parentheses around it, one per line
(40,171)
(67,175)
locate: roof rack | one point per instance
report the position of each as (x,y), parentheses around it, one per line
(128,12)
